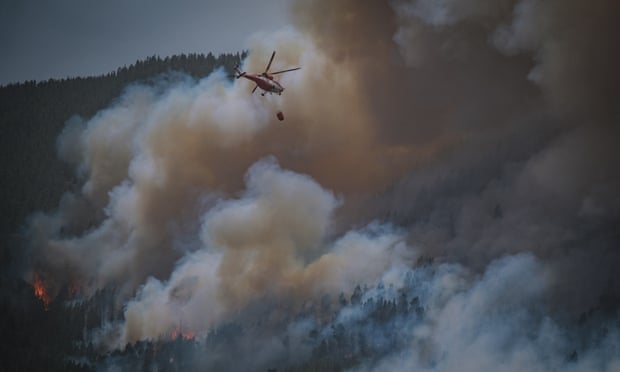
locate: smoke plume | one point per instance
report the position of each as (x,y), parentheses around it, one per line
(477,136)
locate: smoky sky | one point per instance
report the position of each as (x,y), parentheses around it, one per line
(57,39)
(479,134)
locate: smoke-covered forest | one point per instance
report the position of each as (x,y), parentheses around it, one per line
(42,336)
(442,195)
(34,114)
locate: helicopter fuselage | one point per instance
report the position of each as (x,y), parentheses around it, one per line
(265,80)
(266,83)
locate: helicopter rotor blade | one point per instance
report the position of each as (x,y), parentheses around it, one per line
(253,90)
(270,60)
(290,69)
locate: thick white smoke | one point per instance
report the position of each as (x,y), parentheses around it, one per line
(485,130)
(270,243)
(495,321)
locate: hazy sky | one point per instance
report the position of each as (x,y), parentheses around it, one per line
(41,39)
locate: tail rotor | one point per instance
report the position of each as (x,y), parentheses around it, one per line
(238,73)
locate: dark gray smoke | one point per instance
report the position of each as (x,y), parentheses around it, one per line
(460,154)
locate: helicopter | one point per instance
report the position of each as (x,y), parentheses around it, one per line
(264,80)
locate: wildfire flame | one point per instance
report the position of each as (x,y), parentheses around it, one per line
(40,290)
(185,334)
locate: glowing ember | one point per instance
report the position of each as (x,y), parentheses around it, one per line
(188,335)
(40,290)
(185,334)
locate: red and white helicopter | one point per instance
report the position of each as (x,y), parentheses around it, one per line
(265,80)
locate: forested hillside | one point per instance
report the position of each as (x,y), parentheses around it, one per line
(32,115)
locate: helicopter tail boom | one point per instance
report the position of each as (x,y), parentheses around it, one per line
(239,72)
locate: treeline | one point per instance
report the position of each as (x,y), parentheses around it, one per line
(380,322)
(49,337)
(58,336)
(196,65)
(32,115)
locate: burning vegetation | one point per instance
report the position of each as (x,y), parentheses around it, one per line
(185,334)
(41,290)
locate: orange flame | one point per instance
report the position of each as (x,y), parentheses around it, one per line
(185,334)
(40,290)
